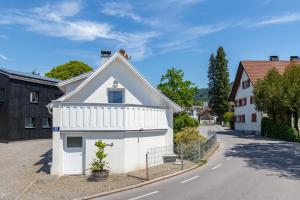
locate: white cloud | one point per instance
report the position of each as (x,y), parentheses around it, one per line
(59,11)
(3,57)
(120,10)
(57,21)
(188,39)
(294,17)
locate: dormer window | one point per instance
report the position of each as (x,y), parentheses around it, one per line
(115,96)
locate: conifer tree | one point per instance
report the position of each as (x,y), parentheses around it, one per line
(219,86)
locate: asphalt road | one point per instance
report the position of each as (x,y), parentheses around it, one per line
(245,167)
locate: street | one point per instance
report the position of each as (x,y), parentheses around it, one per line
(244,167)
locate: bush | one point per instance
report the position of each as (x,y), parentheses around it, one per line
(275,130)
(188,136)
(228,119)
(182,120)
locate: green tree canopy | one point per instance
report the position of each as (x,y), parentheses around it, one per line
(218,83)
(268,96)
(180,91)
(291,91)
(279,95)
(68,70)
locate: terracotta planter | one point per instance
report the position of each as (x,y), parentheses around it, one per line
(100,175)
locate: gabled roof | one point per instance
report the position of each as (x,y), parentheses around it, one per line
(256,70)
(76,78)
(118,55)
(28,77)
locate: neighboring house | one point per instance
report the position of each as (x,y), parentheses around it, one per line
(194,111)
(247,118)
(117,105)
(23,100)
(205,116)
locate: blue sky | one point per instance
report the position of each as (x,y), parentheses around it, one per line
(37,34)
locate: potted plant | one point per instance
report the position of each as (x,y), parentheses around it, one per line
(98,165)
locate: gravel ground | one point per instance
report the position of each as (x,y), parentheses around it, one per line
(24,175)
(70,187)
(20,164)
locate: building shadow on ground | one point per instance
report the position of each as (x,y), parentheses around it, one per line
(282,158)
(46,158)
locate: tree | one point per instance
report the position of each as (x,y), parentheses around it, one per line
(173,86)
(68,70)
(268,95)
(291,91)
(219,86)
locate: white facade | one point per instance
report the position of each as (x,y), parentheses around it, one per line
(144,119)
(248,110)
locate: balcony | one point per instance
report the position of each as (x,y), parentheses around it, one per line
(95,117)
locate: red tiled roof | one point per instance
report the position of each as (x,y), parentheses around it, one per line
(256,70)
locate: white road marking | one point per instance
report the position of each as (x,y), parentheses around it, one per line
(231,146)
(145,195)
(217,166)
(229,158)
(189,179)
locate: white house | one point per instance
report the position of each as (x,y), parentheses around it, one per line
(247,118)
(116,104)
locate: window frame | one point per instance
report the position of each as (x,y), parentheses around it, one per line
(253,117)
(33,122)
(74,147)
(49,122)
(31,97)
(116,90)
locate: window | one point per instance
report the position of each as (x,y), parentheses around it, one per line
(245,101)
(243,119)
(251,100)
(30,122)
(74,142)
(115,96)
(246,84)
(46,122)
(254,117)
(2,94)
(34,97)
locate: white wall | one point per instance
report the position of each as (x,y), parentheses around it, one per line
(128,152)
(248,109)
(136,91)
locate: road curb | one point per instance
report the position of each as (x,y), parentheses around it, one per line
(209,154)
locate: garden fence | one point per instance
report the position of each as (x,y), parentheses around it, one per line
(166,160)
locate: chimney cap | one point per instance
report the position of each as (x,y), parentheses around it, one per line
(105,53)
(294,58)
(274,58)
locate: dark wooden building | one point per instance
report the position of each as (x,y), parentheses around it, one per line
(23,100)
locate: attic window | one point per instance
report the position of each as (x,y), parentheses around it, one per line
(246,84)
(115,96)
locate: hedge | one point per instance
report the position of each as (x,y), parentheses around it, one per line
(183,120)
(275,130)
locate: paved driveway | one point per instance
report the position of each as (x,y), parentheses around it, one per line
(245,167)
(20,163)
